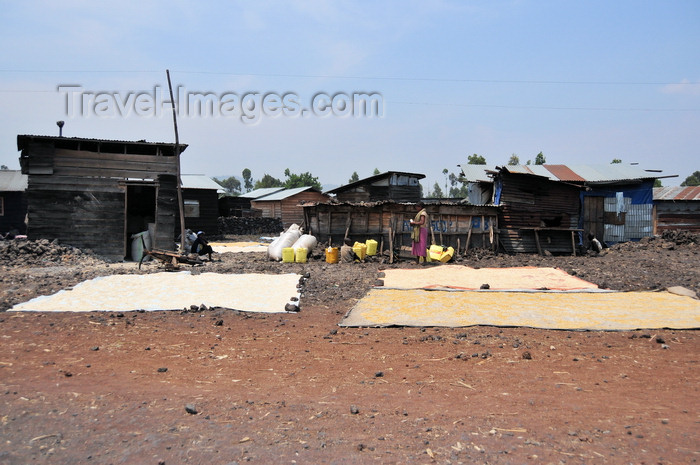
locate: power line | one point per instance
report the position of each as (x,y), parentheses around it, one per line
(371,78)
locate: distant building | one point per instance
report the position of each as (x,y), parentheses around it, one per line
(13,201)
(200,196)
(677,208)
(392,185)
(287,204)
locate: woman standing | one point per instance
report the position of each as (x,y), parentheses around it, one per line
(419,235)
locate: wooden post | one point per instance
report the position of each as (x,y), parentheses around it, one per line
(391,239)
(469,235)
(177,159)
(537,242)
(483,233)
(348,222)
(573,243)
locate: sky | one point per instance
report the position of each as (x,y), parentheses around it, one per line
(581,82)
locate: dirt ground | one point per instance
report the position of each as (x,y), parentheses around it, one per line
(215,386)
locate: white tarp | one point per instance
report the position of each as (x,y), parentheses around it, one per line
(266,293)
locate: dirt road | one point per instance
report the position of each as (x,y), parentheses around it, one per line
(222,387)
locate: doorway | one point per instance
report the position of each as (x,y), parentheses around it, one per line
(140,211)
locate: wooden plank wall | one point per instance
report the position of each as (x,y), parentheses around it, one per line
(167,212)
(84,219)
(677,215)
(450,224)
(77,196)
(208,211)
(532,202)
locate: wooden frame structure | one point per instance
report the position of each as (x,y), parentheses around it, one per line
(94,194)
(457,225)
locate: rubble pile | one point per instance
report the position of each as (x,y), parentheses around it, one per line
(668,240)
(41,252)
(237,225)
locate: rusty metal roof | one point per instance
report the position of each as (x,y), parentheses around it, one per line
(614,172)
(677,193)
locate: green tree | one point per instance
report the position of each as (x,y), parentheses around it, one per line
(476,160)
(514,160)
(445,172)
(539,159)
(247,180)
(657,183)
(354,178)
(4,167)
(268,181)
(615,161)
(301,180)
(376,172)
(458,188)
(437,192)
(692,180)
(231,184)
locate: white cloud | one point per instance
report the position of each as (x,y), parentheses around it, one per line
(685,87)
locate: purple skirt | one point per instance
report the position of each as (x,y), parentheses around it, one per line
(419,248)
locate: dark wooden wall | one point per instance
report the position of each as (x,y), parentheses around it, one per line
(78,196)
(679,214)
(208,211)
(450,224)
(532,202)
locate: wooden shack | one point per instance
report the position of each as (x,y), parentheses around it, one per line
(200,196)
(455,225)
(677,208)
(94,194)
(536,214)
(287,204)
(13,202)
(392,185)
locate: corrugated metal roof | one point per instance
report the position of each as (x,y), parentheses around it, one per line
(677,193)
(262,192)
(199,181)
(284,194)
(587,173)
(476,173)
(372,179)
(13,181)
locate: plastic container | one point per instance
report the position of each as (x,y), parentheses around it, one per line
(371,247)
(447,255)
(332,255)
(300,254)
(288,255)
(360,250)
(137,246)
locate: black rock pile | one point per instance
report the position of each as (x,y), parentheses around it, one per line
(236,225)
(40,252)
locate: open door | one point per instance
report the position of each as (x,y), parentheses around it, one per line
(140,207)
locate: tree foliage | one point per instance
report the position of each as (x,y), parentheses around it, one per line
(458,188)
(4,167)
(514,160)
(301,180)
(376,172)
(268,181)
(657,183)
(615,161)
(354,178)
(247,180)
(476,160)
(437,192)
(692,180)
(231,184)
(539,159)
